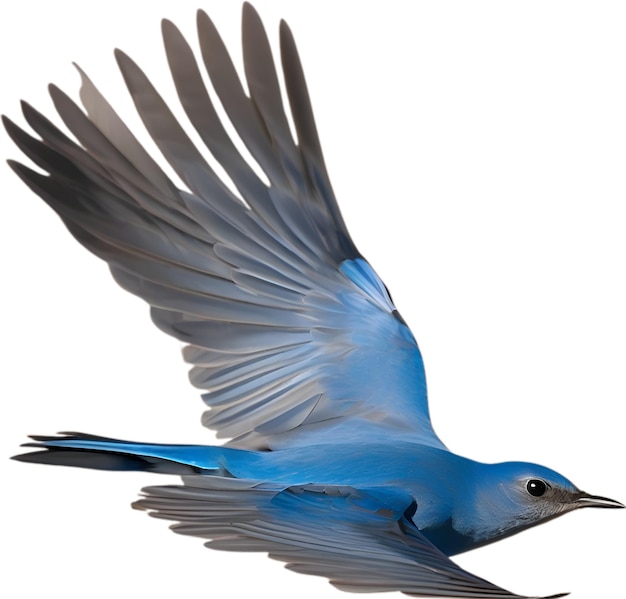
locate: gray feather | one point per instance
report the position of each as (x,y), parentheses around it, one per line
(284,341)
(360,540)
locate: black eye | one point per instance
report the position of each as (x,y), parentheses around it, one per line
(536,487)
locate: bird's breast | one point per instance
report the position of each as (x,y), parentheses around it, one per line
(447,539)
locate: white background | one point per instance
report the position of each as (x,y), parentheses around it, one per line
(478,152)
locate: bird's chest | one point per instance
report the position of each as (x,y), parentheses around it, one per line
(436,514)
(447,539)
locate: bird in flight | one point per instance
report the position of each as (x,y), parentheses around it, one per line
(306,366)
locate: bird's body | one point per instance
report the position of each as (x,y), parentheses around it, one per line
(451,500)
(305,362)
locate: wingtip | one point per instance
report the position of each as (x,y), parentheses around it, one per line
(284,30)
(85,82)
(26,108)
(15,166)
(83,76)
(203,19)
(250,18)
(121,56)
(7,122)
(126,65)
(167,26)
(249,12)
(57,94)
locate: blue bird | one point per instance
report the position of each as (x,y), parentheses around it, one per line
(306,365)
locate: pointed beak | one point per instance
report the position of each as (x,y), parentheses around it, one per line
(586,500)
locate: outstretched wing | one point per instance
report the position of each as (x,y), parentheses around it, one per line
(362,540)
(290,332)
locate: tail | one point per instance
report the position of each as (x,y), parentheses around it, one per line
(100,453)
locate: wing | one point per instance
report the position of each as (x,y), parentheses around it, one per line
(290,333)
(362,540)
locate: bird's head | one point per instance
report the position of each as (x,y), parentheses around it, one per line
(512,496)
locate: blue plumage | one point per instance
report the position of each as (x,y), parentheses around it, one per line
(304,361)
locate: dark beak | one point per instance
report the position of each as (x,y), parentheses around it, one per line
(586,500)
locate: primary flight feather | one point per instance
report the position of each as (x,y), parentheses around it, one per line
(306,365)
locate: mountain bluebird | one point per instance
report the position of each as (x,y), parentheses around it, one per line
(306,365)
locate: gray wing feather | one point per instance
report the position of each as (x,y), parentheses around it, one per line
(291,335)
(197,103)
(266,96)
(238,106)
(101,113)
(360,539)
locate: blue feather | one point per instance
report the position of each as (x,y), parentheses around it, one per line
(305,364)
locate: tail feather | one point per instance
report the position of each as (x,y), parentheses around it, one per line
(101,453)
(100,460)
